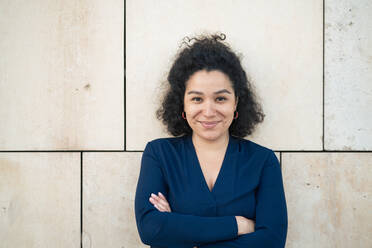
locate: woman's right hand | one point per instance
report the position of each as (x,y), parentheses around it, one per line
(245,225)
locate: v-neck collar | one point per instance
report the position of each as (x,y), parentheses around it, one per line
(197,165)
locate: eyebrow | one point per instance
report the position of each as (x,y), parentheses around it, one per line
(201,93)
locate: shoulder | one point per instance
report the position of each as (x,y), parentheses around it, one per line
(161,144)
(166,141)
(250,148)
(246,145)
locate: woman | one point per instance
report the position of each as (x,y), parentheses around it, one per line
(207,186)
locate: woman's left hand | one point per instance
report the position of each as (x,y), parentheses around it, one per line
(160,202)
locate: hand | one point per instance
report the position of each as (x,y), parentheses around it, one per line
(160,202)
(245,225)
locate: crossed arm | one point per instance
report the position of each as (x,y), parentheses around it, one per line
(160,203)
(158,227)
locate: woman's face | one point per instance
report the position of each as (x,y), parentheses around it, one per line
(209,103)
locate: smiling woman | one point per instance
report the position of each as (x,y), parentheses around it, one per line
(208,186)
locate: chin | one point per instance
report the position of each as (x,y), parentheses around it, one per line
(210,136)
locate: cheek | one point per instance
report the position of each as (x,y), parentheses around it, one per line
(228,111)
(192,110)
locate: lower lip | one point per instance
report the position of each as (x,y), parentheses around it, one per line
(209,125)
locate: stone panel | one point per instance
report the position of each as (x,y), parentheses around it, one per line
(110,181)
(39,200)
(348,75)
(61,75)
(329,199)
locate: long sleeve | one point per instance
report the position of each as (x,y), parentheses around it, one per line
(271,213)
(166,229)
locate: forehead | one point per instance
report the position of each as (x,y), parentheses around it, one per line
(208,80)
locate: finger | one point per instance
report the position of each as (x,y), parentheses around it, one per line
(161,209)
(156,199)
(162,196)
(157,207)
(155,196)
(166,207)
(152,201)
(162,204)
(161,201)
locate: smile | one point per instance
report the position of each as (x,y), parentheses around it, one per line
(209,124)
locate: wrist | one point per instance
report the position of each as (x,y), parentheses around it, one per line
(238,225)
(251,226)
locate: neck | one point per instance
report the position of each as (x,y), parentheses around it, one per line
(210,145)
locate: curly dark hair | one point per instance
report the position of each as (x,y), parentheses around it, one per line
(208,52)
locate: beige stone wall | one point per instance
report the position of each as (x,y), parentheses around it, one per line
(80,82)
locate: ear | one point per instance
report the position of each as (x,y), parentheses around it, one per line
(236,102)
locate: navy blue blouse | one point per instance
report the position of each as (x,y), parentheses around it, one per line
(249,184)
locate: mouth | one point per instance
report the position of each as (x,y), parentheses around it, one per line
(209,124)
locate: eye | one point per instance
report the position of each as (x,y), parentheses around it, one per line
(196,99)
(221,99)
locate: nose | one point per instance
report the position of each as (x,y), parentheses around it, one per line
(209,109)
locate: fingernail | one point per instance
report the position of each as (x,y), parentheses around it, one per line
(160,193)
(152,194)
